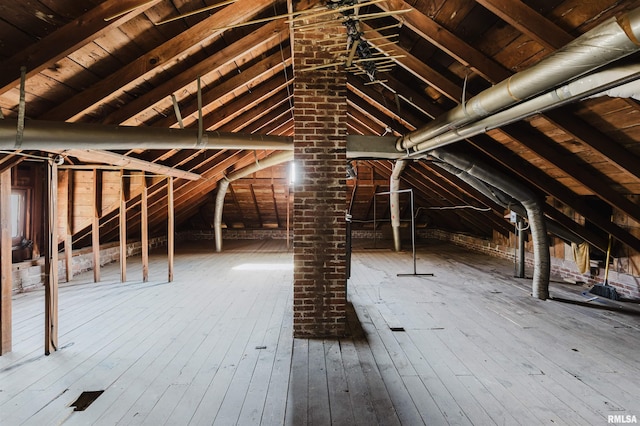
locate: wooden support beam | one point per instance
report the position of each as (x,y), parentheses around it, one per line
(529,22)
(72,36)
(161,56)
(95,224)
(559,156)
(9,161)
(125,162)
(51,261)
(37,215)
(5,263)
(445,40)
(247,103)
(258,42)
(546,183)
(123,231)
(171,225)
(68,239)
(261,71)
(592,137)
(145,229)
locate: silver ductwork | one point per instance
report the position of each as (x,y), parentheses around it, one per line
(223,185)
(394,202)
(624,82)
(508,202)
(46,135)
(528,199)
(608,42)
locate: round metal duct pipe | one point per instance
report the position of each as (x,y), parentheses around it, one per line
(47,135)
(394,202)
(597,83)
(528,199)
(223,185)
(608,42)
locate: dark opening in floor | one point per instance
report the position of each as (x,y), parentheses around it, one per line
(85,400)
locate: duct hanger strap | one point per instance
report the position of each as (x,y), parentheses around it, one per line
(21,108)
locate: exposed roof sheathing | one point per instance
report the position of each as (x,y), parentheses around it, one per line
(83,68)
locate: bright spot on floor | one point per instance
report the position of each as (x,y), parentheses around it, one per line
(264,267)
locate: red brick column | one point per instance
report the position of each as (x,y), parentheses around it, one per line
(320,114)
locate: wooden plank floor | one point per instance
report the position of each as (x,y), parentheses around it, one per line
(466,346)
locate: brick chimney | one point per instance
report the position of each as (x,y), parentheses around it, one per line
(319,244)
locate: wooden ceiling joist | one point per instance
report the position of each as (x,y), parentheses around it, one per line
(125,162)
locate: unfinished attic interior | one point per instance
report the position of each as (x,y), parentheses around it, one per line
(319,212)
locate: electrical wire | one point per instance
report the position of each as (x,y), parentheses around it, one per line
(480,209)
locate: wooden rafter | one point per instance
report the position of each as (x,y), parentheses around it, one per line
(72,109)
(453,45)
(421,70)
(529,22)
(544,182)
(67,39)
(583,173)
(255,44)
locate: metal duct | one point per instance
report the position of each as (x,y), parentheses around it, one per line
(46,135)
(528,199)
(508,202)
(394,202)
(223,185)
(598,83)
(609,41)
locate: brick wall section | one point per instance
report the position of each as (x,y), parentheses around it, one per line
(29,275)
(268,234)
(319,229)
(627,285)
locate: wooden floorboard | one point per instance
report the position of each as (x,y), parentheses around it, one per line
(468,345)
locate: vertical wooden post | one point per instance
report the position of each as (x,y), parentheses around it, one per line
(123,231)
(144,210)
(68,240)
(170,235)
(37,216)
(51,261)
(95,225)
(5,262)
